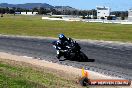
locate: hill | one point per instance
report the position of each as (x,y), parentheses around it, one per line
(35,5)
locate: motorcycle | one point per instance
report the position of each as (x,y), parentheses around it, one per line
(72,51)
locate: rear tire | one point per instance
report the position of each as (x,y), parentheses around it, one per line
(83,57)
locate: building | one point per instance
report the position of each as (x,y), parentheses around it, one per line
(17,12)
(29,13)
(130,15)
(103,11)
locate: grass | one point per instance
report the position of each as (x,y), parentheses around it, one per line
(35,26)
(21,76)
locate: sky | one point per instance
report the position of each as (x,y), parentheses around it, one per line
(115,5)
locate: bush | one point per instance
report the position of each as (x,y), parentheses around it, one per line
(83,17)
(102,18)
(122,18)
(1,15)
(88,17)
(109,18)
(94,17)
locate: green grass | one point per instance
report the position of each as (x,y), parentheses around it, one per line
(15,76)
(35,26)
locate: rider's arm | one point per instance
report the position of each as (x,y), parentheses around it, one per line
(58,45)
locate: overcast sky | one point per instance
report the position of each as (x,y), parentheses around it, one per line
(80,4)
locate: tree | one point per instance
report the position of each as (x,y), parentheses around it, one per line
(120,13)
(35,9)
(11,11)
(53,11)
(95,17)
(19,10)
(7,10)
(41,10)
(14,8)
(1,12)
(74,12)
(94,12)
(109,18)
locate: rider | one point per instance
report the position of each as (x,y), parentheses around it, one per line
(62,45)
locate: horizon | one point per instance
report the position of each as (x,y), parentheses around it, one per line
(118,5)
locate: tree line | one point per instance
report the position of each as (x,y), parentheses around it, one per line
(54,11)
(120,13)
(42,10)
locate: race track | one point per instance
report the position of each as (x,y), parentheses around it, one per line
(115,60)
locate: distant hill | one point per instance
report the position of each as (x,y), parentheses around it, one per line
(60,8)
(35,5)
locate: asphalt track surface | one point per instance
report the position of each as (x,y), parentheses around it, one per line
(115,60)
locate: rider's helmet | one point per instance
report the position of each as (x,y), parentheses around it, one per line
(62,37)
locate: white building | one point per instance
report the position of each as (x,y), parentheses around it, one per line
(29,13)
(130,14)
(103,11)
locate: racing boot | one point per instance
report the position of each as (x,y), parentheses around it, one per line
(58,56)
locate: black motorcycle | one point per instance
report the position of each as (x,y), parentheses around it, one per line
(72,51)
